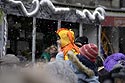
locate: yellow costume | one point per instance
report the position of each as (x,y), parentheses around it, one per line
(67,41)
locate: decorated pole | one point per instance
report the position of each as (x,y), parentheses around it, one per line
(100,18)
(80,29)
(59,24)
(3,33)
(99,41)
(4,36)
(33,40)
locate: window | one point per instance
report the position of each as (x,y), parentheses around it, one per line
(72,26)
(19,35)
(45,34)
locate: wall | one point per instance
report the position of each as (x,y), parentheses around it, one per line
(91,32)
(115,38)
(116,3)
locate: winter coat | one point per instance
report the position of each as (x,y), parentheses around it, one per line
(112,60)
(118,72)
(88,64)
(82,77)
(46,56)
(60,56)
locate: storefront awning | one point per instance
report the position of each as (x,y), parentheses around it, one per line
(114,21)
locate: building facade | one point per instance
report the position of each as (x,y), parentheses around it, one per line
(46,21)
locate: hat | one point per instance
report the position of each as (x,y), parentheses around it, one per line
(83,40)
(66,36)
(67,41)
(90,51)
(112,60)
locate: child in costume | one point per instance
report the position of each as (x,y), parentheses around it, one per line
(66,42)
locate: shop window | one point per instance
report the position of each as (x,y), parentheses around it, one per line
(19,35)
(45,34)
(108,40)
(72,26)
(122,39)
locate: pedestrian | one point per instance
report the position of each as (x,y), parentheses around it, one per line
(87,57)
(21,57)
(66,43)
(118,73)
(80,41)
(113,64)
(103,73)
(112,60)
(9,63)
(45,55)
(53,52)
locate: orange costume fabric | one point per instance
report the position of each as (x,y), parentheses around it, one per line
(67,41)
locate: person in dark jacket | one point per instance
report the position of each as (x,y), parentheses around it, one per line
(80,41)
(118,73)
(112,60)
(88,54)
(113,64)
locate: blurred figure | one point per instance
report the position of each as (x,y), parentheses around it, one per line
(103,74)
(9,63)
(80,41)
(52,72)
(59,72)
(9,59)
(112,60)
(113,64)
(27,53)
(118,73)
(45,55)
(53,52)
(21,58)
(50,53)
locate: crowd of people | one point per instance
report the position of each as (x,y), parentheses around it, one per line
(82,59)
